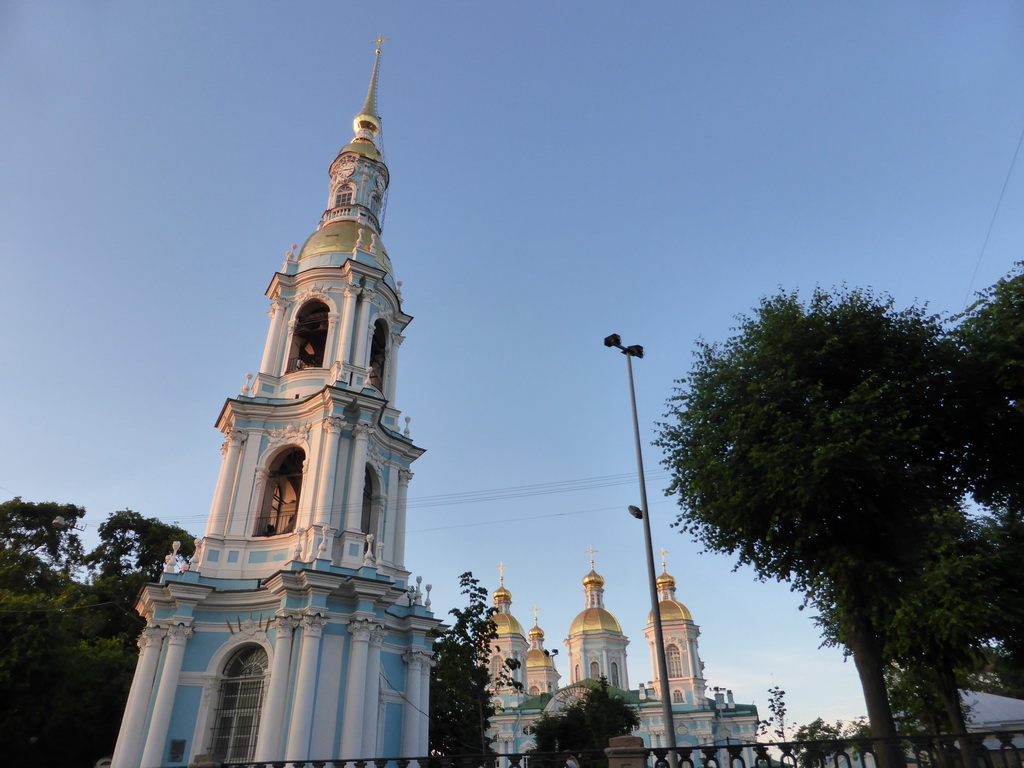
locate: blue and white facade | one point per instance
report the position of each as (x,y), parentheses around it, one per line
(596,648)
(295,631)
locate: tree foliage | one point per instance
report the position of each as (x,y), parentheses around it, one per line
(461,704)
(68,637)
(816,445)
(586,725)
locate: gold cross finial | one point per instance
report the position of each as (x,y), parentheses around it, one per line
(591,552)
(663,553)
(536,610)
(380,39)
(501,574)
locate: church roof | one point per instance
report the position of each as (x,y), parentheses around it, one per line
(671,610)
(538,659)
(507,624)
(595,620)
(340,237)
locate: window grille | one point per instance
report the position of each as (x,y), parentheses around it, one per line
(237,720)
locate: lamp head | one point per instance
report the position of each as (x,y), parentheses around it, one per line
(613,341)
(636,512)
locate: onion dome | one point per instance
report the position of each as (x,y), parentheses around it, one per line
(670,608)
(666,581)
(539,659)
(502,595)
(536,633)
(593,579)
(595,620)
(507,624)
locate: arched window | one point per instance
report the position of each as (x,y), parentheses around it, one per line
(576,674)
(674,659)
(375,204)
(534,690)
(497,665)
(378,354)
(614,675)
(369,521)
(237,719)
(595,670)
(281,496)
(343,197)
(309,337)
(677,697)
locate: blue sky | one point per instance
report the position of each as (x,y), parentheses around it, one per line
(560,171)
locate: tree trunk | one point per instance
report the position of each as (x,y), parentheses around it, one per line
(867,656)
(949,695)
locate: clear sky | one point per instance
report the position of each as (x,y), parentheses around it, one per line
(560,171)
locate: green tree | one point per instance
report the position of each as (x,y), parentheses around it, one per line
(775,725)
(815,445)
(586,725)
(461,704)
(68,642)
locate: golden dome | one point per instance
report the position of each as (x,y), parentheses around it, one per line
(595,620)
(501,594)
(593,579)
(507,624)
(538,659)
(341,237)
(536,633)
(671,610)
(665,580)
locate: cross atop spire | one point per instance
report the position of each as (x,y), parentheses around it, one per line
(501,573)
(536,610)
(380,39)
(663,553)
(592,552)
(367,123)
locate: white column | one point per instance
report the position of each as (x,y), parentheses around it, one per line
(355,688)
(268,746)
(347,321)
(404,476)
(231,450)
(153,754)
(392,372)
(425,704)
(272,351)
(357,472)
(361,328)
(414,661)
(371,697)
(324,512)
(305,687)
(129,740)
(331,344)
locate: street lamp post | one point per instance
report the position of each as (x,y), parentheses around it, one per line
(659,640)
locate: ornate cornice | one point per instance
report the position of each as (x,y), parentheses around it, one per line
(289,435)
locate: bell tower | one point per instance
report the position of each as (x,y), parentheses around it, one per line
(273,643)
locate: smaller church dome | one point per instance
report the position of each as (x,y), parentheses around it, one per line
(593,579)
(595,620)
(364,147)
(665,580)
(671,610)
(507,624)
(501,594)
(538,659)
(536,633)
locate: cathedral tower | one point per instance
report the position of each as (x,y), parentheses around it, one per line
(596,644)
(294,632)
(685,669)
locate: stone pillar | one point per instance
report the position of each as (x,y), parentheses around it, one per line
(398,556)
(268,745)
(392,372)
(347,321)
(324,512)
(355,687)
(156,738)
(331,344)
(272,351)
(361,328)
(626,752)
(425,703)
(411,715)
(357,471)
(371,698)
(129,741)
(305,687)
(231,450)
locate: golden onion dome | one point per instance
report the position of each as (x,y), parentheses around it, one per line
(537,659)
(536,633)
(671,610)
(595,620)
(507,624)
(666,581)
(593,579)
(500,594)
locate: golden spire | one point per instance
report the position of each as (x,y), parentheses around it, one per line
(367,123)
